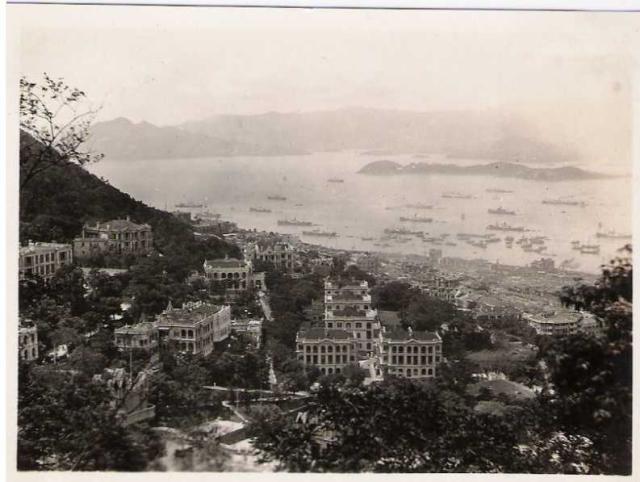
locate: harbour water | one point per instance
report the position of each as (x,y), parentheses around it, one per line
(363,206)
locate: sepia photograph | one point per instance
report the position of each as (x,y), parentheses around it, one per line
(320,240)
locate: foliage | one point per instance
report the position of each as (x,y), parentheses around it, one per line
(590,390)
(52,113)
(392,296)
(68,423)
(376,429)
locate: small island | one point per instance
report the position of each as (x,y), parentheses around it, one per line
(496,169)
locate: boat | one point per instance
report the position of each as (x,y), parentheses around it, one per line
(259,210)
(509,239)
(456,196)
(190,204)
(276,198)
(402,231)
(293,222)
(563,202)
(416,219)
(367,239)
(419,206)
(323,234)
(501,191)
(335,180)
(502,211)
(612,235)
(590,249)
(505,227)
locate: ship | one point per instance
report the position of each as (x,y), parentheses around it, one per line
(323,234)
(612,235)
(419,206)
(335,180)
(416,219)
(590,249)
(456,196)
(500,191)
(505,227)
(502,211)
(259,210)
(293,222)
(276,198)
(190,205)
(402,231)
(564,202)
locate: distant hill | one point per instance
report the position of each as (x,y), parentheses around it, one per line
(56,203)
(496,169)
(481,135)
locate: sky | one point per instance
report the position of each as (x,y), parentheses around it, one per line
(570,74)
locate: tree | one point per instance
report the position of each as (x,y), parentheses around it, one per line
(52,113)
(69,423)
(590,389)
(396,426)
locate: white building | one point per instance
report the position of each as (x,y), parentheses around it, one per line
(28,340)
(195,327)
(43,259)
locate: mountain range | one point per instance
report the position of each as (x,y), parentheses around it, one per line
(496,169)
(460,134)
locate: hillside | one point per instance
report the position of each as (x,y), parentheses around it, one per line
(495,169)
(481,135)
(58,201)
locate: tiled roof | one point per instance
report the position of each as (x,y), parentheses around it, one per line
(389,318)
(120,225)
(224,263)
(322,333)
(138,329)
(403,335)
(42,248)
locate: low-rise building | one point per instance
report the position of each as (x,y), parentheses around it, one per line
(544,264)
(280,254)
(563,322)
(252,328)
(409,354)
(235,275)
(119,236)
(43,259)
(195,327)
(328,349)
(555,323)
(142,336)
(28,340)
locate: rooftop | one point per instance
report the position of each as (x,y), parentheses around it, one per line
(323,333)
(399,334)
(32,247)
(224,263)
(119,225)
(189,314)
(142,328)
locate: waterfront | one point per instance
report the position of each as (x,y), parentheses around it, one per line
(364,206)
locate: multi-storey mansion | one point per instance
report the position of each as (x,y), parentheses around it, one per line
(43,259)
(120,236)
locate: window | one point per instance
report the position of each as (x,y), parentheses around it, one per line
(423,349)
(423,360)
(329,325)
(394,360)
(424,371)
(358,325)
(400,349)
(322,349)
(330,349)
(315,348)
(393,349)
